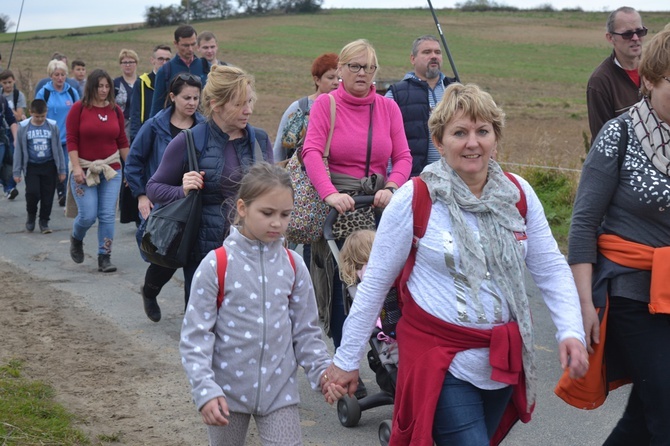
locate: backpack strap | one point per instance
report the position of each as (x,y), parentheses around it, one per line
(15,95)
(522,204)
(303,105)
(46,95)
(421,208)
(623,141)
(222,264)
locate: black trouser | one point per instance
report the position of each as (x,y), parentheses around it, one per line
(640,339)
(155,279)
(41,180)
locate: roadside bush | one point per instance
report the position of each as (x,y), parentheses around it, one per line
(556,190)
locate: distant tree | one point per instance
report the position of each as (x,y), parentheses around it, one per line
(5,23)
(256,6)
(155,16)
(484,5)
(300,6)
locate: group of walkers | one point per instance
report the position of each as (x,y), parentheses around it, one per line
(426,151)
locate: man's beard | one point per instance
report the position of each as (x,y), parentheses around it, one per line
(432,73)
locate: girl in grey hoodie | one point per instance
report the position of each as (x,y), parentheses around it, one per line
(241,357)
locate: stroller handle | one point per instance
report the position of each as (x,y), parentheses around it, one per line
(360,201)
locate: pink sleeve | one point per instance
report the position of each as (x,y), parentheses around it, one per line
(401,157)
(315,144)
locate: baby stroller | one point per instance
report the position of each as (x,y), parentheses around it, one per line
(382,357)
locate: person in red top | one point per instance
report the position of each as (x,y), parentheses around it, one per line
(96,142)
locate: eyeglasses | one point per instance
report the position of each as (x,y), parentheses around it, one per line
(188,77)
(127,62)
(355,68)
(627,35)
(666,78)
(163,59)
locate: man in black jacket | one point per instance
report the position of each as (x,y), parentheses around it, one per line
(417,94)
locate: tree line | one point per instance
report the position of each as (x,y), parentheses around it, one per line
(193,10)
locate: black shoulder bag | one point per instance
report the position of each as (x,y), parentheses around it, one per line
(171,230)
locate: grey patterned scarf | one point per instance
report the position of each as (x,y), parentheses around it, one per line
(653,134)
(497,251)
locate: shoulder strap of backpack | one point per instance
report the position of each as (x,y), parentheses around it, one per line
(47,93)
(71,91)
(222,264)
(522,204)
(303,105)
(421,208)
(15,95)
(205,65)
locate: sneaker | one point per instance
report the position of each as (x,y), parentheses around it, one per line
(61,200)
(30,223)
(12,194)
(44,227)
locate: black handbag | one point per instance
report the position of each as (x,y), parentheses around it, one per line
(171,230)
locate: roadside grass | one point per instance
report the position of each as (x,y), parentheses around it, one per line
(30,416)
(556,190)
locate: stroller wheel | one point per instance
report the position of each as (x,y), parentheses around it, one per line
(348,411)
(385,432)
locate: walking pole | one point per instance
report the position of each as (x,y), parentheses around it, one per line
(444,42)
(11,53)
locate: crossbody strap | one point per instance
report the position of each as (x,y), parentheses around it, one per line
(369,154)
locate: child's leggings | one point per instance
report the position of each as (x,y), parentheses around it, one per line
(279,428)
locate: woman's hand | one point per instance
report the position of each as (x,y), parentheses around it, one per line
(591,325)
(331,391)
(573,356)
(144,205)
(215,411)
(340,202)
(78,175)
(335,376)
(382,198)
(193,181)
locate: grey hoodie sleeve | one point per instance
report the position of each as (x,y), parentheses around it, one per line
(197,338)
(310,350)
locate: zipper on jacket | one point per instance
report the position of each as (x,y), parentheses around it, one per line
(264,314)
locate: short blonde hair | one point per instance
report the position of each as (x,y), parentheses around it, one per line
(355,49)
(126,53)
(224,85)
(55,65)
(655,61)
(470,100)
(355,254)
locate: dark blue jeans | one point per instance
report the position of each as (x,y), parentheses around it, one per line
(640,339)
(466,415)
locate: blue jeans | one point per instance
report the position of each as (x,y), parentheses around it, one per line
(466,415)
(97,202)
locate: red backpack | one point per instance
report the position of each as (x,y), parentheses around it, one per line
(421,207)
(222,264)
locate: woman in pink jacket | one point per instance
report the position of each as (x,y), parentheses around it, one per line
(363,119)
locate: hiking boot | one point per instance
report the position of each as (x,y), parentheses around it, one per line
(361,391)
(104,265)
(44,227)
(151,308)
(76,250)
(30,223)
(12,194)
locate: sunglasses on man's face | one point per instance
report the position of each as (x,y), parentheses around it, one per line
(627,35)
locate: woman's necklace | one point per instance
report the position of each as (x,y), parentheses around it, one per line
(100,115)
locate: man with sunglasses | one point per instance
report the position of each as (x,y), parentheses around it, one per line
(140,104)
(615,85)
(185,41)
(416,95)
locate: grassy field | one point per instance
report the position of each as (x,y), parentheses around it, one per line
(535,64)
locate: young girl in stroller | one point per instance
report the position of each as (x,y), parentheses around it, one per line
(383,358)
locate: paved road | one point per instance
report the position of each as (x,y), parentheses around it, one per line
(116,298)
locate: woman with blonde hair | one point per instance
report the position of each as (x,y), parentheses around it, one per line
(123,85)
(465,339)
(368,133)
(618,236)
(228,146)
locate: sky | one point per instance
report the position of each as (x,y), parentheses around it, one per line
(50,14)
